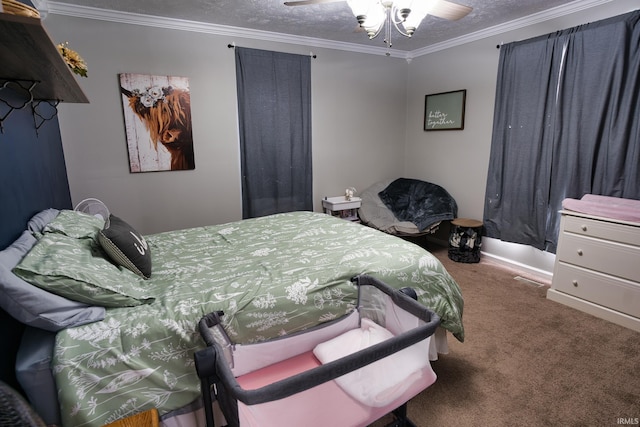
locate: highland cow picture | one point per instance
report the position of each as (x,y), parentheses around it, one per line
(157,116)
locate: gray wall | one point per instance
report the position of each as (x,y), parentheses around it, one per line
(358,122)
(367,120)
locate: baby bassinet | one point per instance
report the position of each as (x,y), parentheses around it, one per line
(348,372)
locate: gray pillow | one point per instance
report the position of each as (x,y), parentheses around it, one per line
(34,306)
(37,223)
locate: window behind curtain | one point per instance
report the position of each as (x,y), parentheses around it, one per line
(274,111)
(566,124)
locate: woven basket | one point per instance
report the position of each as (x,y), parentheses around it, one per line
(15,411)
(14,7)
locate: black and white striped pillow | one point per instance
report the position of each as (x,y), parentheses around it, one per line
(125,246)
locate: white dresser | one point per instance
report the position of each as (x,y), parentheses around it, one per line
(597,267)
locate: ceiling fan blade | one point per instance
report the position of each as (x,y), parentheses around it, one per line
(448,10)
(307,2)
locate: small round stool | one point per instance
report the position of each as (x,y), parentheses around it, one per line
(465,240)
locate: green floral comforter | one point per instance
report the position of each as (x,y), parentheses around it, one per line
(271,276)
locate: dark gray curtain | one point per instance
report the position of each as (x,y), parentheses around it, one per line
(565,124)
(274,111)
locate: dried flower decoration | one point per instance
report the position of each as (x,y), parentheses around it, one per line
(72,59)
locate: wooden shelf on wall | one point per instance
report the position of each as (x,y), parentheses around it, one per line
(28,53)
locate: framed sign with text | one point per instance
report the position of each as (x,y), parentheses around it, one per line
(444,111)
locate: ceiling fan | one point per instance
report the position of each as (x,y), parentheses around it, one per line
(405,15)
(441,8)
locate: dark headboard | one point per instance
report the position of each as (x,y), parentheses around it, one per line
(33,177)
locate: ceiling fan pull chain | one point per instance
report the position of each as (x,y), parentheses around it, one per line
(387,35)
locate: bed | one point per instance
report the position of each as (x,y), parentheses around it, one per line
(406,206)
(125,343)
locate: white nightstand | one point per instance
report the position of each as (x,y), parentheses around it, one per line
(342,208)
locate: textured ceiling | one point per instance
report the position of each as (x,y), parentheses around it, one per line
(330,21)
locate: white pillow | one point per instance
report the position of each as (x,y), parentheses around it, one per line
(381,382)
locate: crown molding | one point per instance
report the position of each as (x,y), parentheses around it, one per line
(42,6)
(228,31)
(200,27)
(516,24)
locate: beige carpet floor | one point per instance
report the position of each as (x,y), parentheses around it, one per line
(528,361)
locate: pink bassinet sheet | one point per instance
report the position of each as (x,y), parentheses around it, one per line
(321,406)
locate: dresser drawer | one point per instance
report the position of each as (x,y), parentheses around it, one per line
(614,293)
(607,257)
(622,233)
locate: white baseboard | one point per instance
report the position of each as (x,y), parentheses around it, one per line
(543,275)
(525,259)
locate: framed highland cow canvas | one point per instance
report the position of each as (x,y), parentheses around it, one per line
(157,117)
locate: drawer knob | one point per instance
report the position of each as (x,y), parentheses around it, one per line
(584,228)
(574,283)
(580,252)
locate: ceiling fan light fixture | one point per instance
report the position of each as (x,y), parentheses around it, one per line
(369,14)
(409,30)
(361,7)
(405,15)
(419,11)
(372,15)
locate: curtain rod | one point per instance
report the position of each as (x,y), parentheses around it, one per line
(232,45)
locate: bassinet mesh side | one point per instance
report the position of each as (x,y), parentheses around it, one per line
(214,369)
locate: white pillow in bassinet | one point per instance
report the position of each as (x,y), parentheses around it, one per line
(381,382)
